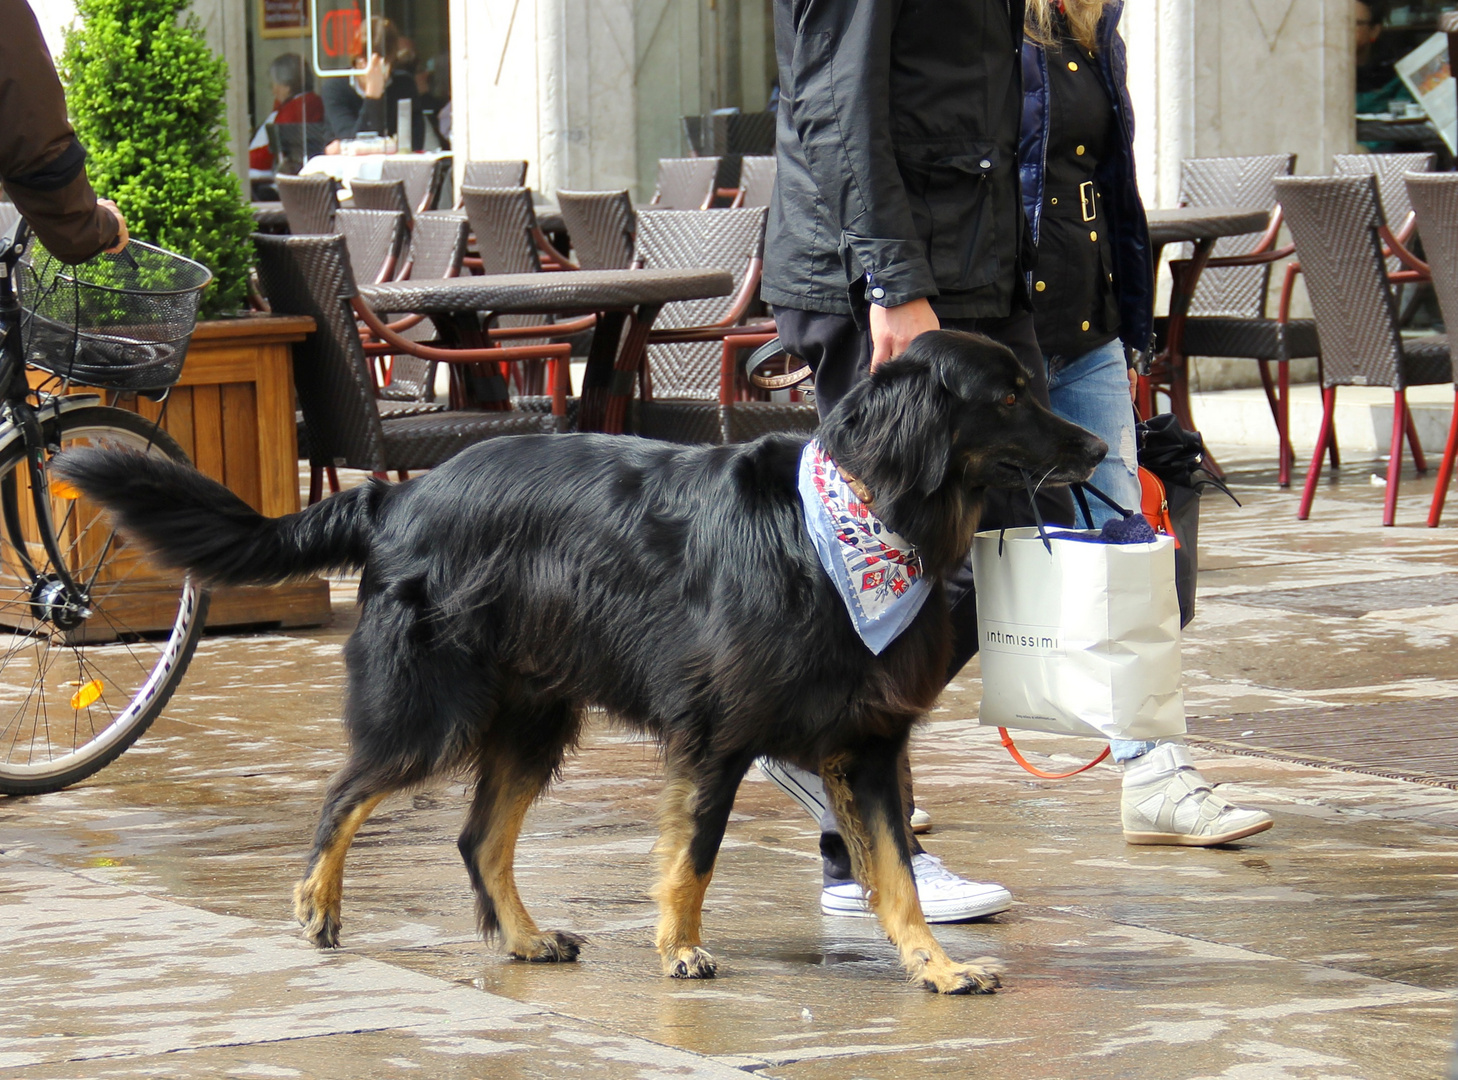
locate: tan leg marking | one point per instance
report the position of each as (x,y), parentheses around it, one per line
(679,891)
(495,860)
(877,865)
(317,897)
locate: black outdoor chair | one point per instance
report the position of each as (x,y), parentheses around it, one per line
(686,183)
(375,239)
(311,275)
(309,203)
(424,179)
(1343,241)
(602,225)
(694,390)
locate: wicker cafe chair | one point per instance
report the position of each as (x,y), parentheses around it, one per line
(693,390)
(494,174)
(509,241)
(309,203)
(437,248)
(292,145)
(602,225)
(685,183)
(382,195)
(1391,172)
(1340,234)
(756,181)
(423,179)
(1228,313)
(374,239)
(310,275)
(1434,198)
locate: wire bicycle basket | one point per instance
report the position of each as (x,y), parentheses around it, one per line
(116,322)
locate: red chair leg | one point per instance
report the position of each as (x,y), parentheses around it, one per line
(1394,459)
(1144,397)
(333,474)
(1445,470)
(402,475)
(1323,438)
(316,484)
(1419,461)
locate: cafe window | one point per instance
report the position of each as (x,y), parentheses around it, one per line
(1406,97)
(286,52)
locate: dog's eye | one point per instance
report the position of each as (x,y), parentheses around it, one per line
(1011,399)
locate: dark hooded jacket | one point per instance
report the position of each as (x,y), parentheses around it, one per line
(42,165)
(897,146)
(1133,269)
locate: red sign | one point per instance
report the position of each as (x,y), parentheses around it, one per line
(338,25)
(283,18)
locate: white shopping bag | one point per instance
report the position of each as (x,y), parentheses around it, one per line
(1080,640)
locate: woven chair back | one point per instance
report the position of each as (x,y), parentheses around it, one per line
(602,225)
(419,177)
(502,220)
(1390,171)
(309,203)
(757,181)
(438,244)
(1245,182)
(311,275)
(375,240)
(382,195)
(1334,221)
(722,239)
(495,174)
(1434,198)
(685,183)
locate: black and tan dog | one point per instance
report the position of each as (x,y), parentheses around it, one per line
(530,577)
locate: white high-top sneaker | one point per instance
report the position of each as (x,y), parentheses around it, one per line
(1167,801)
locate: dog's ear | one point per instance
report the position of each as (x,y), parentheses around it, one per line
(894,430)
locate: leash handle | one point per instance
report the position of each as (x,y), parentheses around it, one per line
(1018,757)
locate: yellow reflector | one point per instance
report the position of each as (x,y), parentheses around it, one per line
(87,695)
(62,490)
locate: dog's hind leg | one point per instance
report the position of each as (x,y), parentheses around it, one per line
(693,813)
(512,775)
(353,795)
(866,793)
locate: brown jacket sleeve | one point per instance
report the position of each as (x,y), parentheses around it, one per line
(41,163)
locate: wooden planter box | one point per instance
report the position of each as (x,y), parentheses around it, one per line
(233,412)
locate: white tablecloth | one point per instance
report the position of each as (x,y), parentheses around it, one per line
(347,168)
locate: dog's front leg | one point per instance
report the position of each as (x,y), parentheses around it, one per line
(864,790)
(692,816)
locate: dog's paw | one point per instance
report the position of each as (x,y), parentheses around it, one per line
(552,947)
(321,926)
(689,963)
(945,977)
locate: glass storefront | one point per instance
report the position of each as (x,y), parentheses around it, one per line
(1406,97)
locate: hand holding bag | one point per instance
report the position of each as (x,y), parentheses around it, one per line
(1078,637)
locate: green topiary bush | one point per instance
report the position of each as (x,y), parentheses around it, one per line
(146,95)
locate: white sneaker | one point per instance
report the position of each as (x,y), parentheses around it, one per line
(1167,801)
(920,820)
(944,896)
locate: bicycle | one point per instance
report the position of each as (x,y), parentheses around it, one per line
(93,639)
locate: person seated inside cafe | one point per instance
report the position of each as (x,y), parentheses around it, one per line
(368,101)
(1378,87)
(292,104)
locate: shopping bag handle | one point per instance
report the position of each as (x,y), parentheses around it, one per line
(1078,493)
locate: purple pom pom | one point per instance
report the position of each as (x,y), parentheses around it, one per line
(1133,529)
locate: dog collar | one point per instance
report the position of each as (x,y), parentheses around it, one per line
(877,573)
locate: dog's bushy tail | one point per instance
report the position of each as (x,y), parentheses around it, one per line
(193,523)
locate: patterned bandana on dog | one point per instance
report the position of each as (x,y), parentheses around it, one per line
(877,573)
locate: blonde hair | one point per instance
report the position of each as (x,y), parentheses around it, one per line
(1083,21)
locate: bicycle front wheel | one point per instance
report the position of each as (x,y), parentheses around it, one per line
(80,683)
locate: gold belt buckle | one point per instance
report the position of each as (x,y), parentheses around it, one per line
(1086,201)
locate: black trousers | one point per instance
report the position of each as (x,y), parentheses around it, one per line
(838,349)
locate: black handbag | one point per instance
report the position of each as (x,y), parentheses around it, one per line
(1177,458)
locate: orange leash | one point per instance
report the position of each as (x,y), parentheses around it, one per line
(1018,757)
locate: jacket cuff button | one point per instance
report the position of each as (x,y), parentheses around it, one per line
(878,293)
(1040,286)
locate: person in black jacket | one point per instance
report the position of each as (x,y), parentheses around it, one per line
(42,165)
(368,101)
(897,210)
(1093,302)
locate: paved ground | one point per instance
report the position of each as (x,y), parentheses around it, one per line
(146,922)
